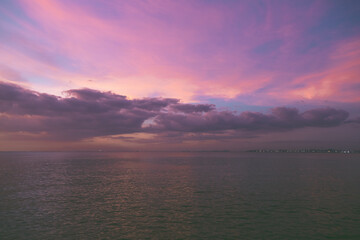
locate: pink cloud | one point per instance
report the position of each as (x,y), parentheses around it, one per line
(184,49)
(339,81)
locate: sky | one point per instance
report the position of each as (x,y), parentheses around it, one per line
(162,75)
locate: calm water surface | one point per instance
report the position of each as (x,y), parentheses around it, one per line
(179,196)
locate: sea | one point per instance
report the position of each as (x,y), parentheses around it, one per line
(179,195)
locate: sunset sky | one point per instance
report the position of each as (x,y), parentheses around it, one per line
(179,75)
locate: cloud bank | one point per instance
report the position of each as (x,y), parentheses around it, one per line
(88,113)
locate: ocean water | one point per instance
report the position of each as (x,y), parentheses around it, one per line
(72,195)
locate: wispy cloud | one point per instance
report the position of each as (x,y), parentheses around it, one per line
(276,51)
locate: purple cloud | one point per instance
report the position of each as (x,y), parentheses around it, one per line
(86,113)
(279,119)
(192,108)
(353,120)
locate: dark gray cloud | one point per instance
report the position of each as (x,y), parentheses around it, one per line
(86,113)
(353,120)
(154,104)
(192,108)
(83,113)
(279,119)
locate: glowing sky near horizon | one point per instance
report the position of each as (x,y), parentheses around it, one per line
(237,55)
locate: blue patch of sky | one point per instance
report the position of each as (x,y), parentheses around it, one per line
(341,21)
(268,47)
(16,11)
(299,85)
(265,88)
(40,80)
(43,53)
(232,105)
(307,47)
(102,9)
(11,30)
(350,86)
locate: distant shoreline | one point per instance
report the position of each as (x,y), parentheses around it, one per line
(200,151)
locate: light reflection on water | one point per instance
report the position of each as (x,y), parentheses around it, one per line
(179,195)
